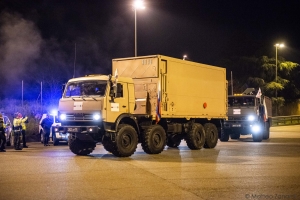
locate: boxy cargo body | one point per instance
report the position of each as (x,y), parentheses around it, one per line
(152,100)
(248,114)
(186,89)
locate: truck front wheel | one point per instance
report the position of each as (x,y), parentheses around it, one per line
(154,140)
(211,135)
(81,148)
(257,137)
(126,141)
(195,138)
(224,136)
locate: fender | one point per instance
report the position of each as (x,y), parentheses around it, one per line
(131,118)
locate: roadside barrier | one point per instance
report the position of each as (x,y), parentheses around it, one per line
(285,120)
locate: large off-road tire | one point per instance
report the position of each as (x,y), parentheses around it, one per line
(154,139)
(107,144)
(195,138)
(54,139)
(235,136)
(211,135)
(81,148)
(224,136)
(126,141)
(174,141)
(266,131)
(257,137)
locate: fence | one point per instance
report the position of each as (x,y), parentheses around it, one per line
(285,120)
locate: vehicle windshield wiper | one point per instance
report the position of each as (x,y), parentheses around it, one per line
(90,97)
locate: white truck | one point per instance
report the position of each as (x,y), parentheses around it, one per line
(152,100)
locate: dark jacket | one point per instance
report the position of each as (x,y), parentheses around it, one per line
(46,124)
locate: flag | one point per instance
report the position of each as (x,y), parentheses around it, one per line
(116,76)
(158,106)
(258,95)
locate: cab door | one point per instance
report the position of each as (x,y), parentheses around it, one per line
(118,105)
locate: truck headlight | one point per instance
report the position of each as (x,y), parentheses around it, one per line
(63,117)
(96,116)
(251,117)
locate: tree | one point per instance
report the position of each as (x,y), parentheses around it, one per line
(260,72)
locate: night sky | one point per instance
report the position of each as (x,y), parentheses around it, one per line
(40,35)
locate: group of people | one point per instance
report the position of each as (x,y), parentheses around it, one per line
(19,128)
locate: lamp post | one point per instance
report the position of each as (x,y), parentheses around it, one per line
(277,46)
(138,4)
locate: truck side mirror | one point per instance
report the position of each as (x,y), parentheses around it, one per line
(116,91)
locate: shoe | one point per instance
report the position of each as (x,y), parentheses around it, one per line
(45,145)
(48,144)
(2,150)
(25,146)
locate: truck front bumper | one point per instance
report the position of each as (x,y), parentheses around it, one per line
(82,133)
(242,127)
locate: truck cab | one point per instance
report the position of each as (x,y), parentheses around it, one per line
(248,114)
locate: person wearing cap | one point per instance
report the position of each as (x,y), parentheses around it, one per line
(2,135)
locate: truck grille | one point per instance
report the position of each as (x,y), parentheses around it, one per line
(79,117)
(237,118)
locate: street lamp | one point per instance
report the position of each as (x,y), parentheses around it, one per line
(138,4)
(277,46)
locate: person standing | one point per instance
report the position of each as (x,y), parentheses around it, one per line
(2,135)
(46,124)
(23,124)
(17,131)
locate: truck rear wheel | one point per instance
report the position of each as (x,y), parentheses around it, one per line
(195,138)
(126,141)
(81,148)
(211,135)
(174,141)
(224,136)
(154,139)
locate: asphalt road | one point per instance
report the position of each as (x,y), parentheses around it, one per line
(238,169)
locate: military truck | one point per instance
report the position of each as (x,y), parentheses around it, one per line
(248,113)
(153,100)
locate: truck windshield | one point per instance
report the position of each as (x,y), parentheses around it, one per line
(85,88)
(241,101)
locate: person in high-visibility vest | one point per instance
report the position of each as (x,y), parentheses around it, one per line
(23,124)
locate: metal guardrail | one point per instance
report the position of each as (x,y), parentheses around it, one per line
(285,120)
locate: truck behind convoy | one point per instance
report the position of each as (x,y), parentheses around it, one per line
(153,100)
(248,113)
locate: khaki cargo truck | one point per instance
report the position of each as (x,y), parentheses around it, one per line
(153,100)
